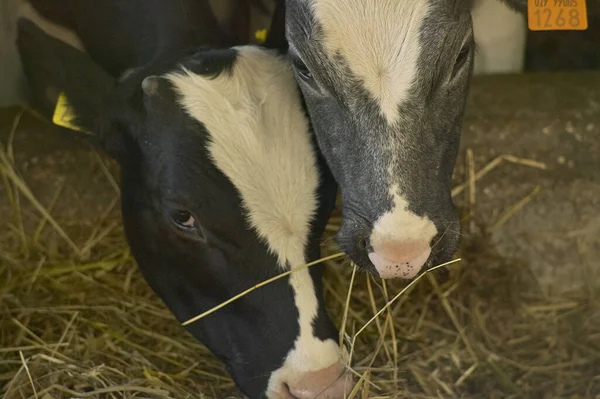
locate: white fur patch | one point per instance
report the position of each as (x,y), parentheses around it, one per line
(401,224)
(260,140)
(379,39)
(309,353)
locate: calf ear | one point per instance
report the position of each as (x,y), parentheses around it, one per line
(517,5)
(53,67)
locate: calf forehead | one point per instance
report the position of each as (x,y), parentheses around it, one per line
(379,42)
(259,139)
(384,44)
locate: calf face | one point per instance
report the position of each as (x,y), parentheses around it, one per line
(220,190)
(385,82)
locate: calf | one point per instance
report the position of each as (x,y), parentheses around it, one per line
(385,83)
(500,36)
(220,189)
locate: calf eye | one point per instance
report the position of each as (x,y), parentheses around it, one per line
(461,59)
(302,69)
(185,221)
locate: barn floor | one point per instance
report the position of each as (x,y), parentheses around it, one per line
(518,317)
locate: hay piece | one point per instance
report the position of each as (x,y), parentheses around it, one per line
(28,374)
(347,306)
(7,169)
(387,305)
(516,208)
(257,286)
(493,165)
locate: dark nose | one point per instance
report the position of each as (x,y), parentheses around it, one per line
(353,239)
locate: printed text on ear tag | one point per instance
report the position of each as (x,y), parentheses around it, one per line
(557,15)
(63,116)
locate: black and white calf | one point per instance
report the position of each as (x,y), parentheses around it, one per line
(385,82)
(221,189)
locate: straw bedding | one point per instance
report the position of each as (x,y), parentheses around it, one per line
(78,321)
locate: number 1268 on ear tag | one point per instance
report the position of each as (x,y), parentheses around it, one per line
(557,15)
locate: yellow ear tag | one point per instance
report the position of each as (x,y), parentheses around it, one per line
(261,35)
(63,116)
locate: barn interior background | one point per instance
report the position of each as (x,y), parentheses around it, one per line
(518,317)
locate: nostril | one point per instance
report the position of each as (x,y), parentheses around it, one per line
(362,244)
(354,238)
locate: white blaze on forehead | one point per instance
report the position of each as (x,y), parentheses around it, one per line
(259,138)
(401,225)
(379,39)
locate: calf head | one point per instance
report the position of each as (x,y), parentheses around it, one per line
(220,190)
(385,82)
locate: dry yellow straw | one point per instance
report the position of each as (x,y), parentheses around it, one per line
(387,305)
(249,290)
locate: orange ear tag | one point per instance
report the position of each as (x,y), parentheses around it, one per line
(557,15)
